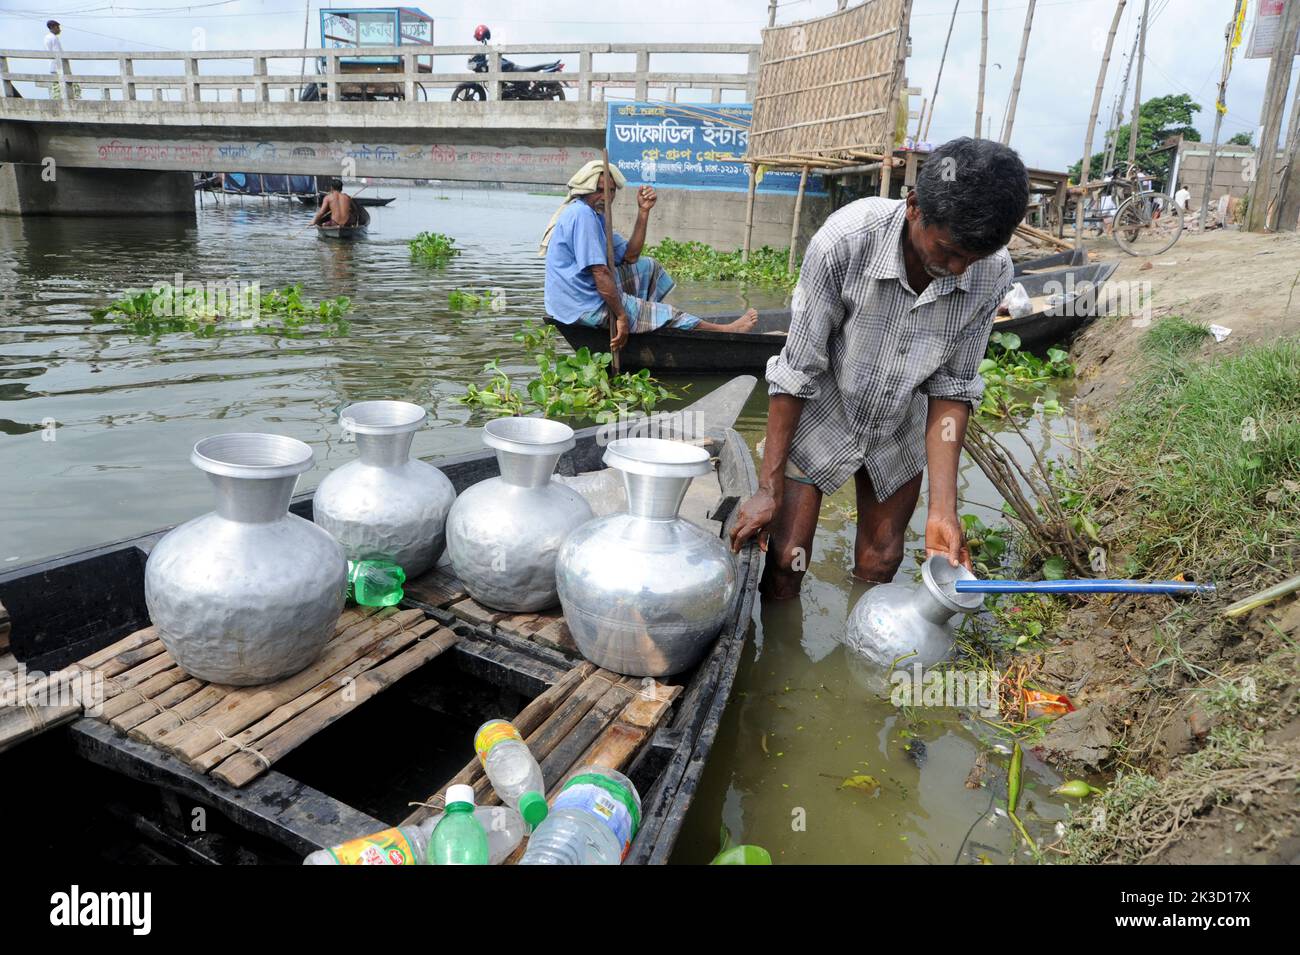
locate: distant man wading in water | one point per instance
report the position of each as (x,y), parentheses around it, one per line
(579,284)
(879,373)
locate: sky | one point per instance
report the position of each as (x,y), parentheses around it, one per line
(1184,47)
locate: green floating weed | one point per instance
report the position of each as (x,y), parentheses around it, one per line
(223,308)
(695,260)
(433,248)
(1011,375)
(567,386)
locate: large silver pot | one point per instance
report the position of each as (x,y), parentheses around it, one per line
(385,504)
(645,592)
(248,593)
(896,625)
(503,533)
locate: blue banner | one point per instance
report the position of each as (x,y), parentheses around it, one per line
(688,146)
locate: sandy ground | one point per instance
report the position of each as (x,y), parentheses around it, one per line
(1133,716)
(1243,281)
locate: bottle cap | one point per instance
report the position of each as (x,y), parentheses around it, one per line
(532,806)
(460,793)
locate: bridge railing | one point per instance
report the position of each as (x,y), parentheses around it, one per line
(137,76)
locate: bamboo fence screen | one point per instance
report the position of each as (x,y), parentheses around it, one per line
(828,89)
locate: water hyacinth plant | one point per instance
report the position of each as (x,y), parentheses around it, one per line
(1011,376)
(433,248)
(465,300)
(221,308)
(695,260)
(576,386)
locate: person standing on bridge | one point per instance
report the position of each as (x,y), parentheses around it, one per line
(878,376)
(579,284)
(55,46)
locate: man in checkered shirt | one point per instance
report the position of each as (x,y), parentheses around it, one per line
(880,371)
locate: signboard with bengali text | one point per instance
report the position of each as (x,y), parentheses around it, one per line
(689,146)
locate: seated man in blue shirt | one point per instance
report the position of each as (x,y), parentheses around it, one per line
(579,284)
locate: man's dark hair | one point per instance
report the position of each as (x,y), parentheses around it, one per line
(336,184)
(51,24)
(978,189)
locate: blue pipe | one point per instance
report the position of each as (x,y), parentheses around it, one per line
(1082,587)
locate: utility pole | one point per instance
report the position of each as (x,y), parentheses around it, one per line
(1112,134)
(1220,107)
(1279,79)
(1086,166)
(984,58)
(934,97)
(1020,71)
(1137,85)
(771,13)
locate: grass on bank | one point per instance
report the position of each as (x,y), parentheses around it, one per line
(1199,468)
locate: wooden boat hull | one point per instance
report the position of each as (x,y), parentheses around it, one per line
(345,233)
(1058,260)
(67,608)
(670,352)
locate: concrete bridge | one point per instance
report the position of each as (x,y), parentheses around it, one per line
(162,114)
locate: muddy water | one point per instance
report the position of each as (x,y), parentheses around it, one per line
(96,427)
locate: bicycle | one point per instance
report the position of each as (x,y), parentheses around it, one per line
(1145,222)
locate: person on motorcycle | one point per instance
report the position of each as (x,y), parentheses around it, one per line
(581,287)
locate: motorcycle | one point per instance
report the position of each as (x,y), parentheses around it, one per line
(517,90)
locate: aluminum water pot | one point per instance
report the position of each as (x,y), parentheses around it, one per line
(248,593)
(897,624)
(503,533)
(386,504)
(645,592)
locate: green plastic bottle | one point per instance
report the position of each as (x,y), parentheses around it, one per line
(459,838)
(375,583)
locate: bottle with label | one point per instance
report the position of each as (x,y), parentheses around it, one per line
(409,845)
(512,769)
(459,838)
(592,822)
(375,583)
(401,845)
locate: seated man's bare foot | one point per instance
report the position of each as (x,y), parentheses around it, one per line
(745,323)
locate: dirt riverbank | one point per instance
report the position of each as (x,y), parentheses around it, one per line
(1193,720)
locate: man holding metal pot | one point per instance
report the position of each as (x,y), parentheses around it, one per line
(877,379)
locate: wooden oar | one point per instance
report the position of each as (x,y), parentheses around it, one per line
(609,255)
(312,225)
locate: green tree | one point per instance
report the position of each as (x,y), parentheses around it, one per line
(1160,118)
(1242,139)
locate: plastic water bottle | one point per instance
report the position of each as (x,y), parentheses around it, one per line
(505,829)
(409,845)
(401,845)
(459,838)
(512,769)
(593,822)
(375,583)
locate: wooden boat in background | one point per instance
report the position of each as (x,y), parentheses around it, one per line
(289,767)
(670,352)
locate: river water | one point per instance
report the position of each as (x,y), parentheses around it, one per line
(96,427)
